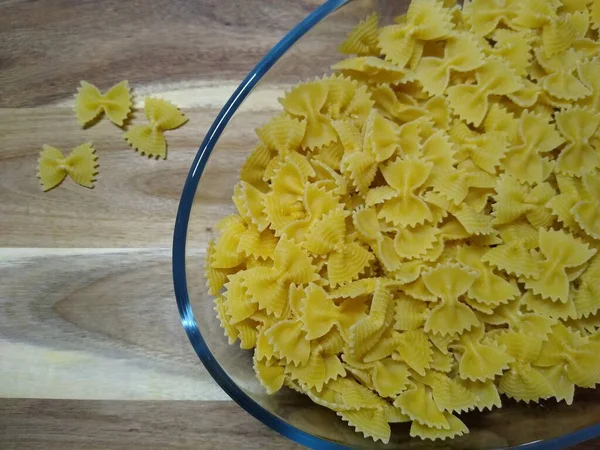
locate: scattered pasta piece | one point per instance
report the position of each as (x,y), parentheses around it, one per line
(150,139)
(81,166)
(418,233)
(90,103)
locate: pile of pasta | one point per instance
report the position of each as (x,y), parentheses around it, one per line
(418,233)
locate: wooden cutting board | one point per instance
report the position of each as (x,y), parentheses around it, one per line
(92,353)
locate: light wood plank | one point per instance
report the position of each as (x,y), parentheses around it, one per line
(95,325)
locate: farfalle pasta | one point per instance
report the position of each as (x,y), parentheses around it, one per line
(90,103)
(417,234)
(150,139)
(81,166)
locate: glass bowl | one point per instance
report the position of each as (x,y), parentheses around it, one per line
(308,51)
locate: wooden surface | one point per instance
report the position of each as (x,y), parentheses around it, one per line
(92,353)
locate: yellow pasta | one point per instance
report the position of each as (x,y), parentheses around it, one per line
(81,166)
(484,16)
(418,234)
(471,101)
(399,204)
(426,20)
(560,251)
(525,161)
(90,103)
(578,125)
(362,40)
(150,139)
(461,55)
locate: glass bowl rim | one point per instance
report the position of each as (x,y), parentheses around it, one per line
(179,245)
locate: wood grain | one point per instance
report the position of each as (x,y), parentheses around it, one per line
(49,45)
(117,425)
(92,352)
(98,324)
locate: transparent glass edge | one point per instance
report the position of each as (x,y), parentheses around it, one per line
(181,225)
(179,241)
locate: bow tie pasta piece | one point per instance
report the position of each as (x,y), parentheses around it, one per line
(425,20)
(414,242)
(489,288)
(448,283)
(586,212)
(439,151)
(484,16)
(381,136)
(586,72)
(578,126)
(253,169)
(572,191)
(307,102)
(524,322)
(366,332)
(414,349)
(346,260)
(289,342)
(318,370)
(525,161)
(448,393)
(577,355)
(514,200)
(560,251)
(499,119)
(317,202)
(249,202)
(399,106)
(370,422)
(239,305)
(523,381)
(559,80)
(319,313)
(455,428)
(390,377)
(587,296)
(270,376)
(367,224)
(455,183)
(558,32)
(410,313)
(81,166)
(485,150)
(531,95)
(215,277)
(362,40)
(417,403)
(471,101)
(486,393)
(90,103)
(548,308)
(461,54)
(480,359)
(225,254)
(150,139)
(282,133)
(269,286)
(373,70)
(514,47)
(399,203)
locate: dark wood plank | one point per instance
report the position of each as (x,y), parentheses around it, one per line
(47,46)
(107,425)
